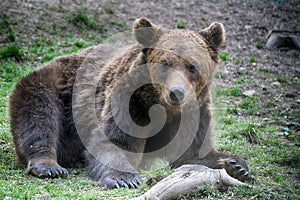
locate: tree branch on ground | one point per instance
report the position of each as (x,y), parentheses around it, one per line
(185,178)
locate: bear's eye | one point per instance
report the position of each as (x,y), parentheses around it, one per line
(192,69)
(164,66)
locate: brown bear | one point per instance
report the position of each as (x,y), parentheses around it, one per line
(86,109)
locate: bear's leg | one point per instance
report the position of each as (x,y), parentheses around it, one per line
(111,160)
(35,125)
(202,152)
(234,165)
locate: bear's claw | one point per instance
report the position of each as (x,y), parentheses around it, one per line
(45,170)
(232,161)
(121,179)
(237,168)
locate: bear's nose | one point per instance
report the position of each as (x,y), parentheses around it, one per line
(176,95)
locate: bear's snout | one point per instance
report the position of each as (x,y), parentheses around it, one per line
(176,95)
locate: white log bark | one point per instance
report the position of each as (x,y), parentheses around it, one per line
(186,178)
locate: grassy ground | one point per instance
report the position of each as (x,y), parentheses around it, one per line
(272,150)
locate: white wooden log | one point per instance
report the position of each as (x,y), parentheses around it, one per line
(185,178)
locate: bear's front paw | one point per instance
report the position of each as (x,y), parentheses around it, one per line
(116,179)
(46,169)
(237,168)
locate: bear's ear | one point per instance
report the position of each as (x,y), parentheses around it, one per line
(214,35)
(145,32)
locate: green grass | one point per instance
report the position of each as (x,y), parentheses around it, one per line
(239,61)
(87,21)
(223,91)
(272,151)
(150,14)
(249,104)
(283,79)
(258,45)
(109,10)
(80,43)
(252,59)
(260,42)
(11,36)
(234,91)
(225,57)
(11,50)
(82,19)
(181,25)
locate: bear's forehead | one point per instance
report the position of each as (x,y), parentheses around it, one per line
(184,38)
(182,42)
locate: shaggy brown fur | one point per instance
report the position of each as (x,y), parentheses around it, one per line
(41,112)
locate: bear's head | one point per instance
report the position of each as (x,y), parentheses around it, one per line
(182,61)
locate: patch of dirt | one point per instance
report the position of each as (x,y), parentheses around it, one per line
(274,76)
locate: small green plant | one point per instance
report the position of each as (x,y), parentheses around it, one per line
(11,51)
(246,103)
(82,19)
(109,10)
(115,23)
(228,121)
(79,43)
(251,134)
(239,61)
(102,28)
(11,36)
(181,25)
(259,42)
(253,110)
(249,104)
(224,56)
(258,45)
(252,59)
(239,81)
(150,14)
(47,57)
(234,91)
(282,79)
(232,110)
(278,178)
